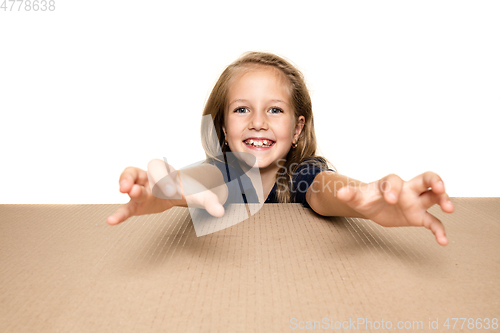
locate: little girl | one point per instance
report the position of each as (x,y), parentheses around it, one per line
(260,106)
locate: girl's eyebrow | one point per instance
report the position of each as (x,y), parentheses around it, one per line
(245,100)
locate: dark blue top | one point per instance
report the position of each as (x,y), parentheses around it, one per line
(241,190)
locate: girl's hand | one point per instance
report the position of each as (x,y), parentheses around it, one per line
(134,182)
(160,189)
(193,187)
(392,202)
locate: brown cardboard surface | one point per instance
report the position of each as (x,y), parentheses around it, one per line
(63,269)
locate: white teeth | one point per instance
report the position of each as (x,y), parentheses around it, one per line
(263,143)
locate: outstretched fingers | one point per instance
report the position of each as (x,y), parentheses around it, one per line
(430,187)
(131,176)
(427,180)
(122,213)
(133,181)
(430,198)
(434,224)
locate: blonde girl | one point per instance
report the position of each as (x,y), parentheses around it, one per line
(260,106)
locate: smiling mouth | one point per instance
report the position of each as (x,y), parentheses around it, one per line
(259,143)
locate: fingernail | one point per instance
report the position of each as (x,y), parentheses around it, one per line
(391,196)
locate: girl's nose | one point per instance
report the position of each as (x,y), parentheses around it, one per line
(258,121)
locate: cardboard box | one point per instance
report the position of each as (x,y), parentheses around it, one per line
(63,269)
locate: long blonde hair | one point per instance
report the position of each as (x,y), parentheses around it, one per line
(300,100)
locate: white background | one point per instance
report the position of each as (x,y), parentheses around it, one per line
(96,86)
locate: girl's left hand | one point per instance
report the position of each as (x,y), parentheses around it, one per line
(392,202)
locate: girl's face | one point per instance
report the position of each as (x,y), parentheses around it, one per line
(260,119)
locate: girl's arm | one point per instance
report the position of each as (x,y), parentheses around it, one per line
(189,184)
(322,195)
(390,201)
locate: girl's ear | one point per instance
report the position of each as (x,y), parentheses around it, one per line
(298,128)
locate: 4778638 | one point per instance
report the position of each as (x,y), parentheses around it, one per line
(28,5)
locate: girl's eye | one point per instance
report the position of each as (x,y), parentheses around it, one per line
(275,110)
(241,110)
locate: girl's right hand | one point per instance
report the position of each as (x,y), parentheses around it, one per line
(134,182)
(168,191)
(200,186)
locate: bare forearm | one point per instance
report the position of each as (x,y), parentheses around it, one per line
(322,194)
